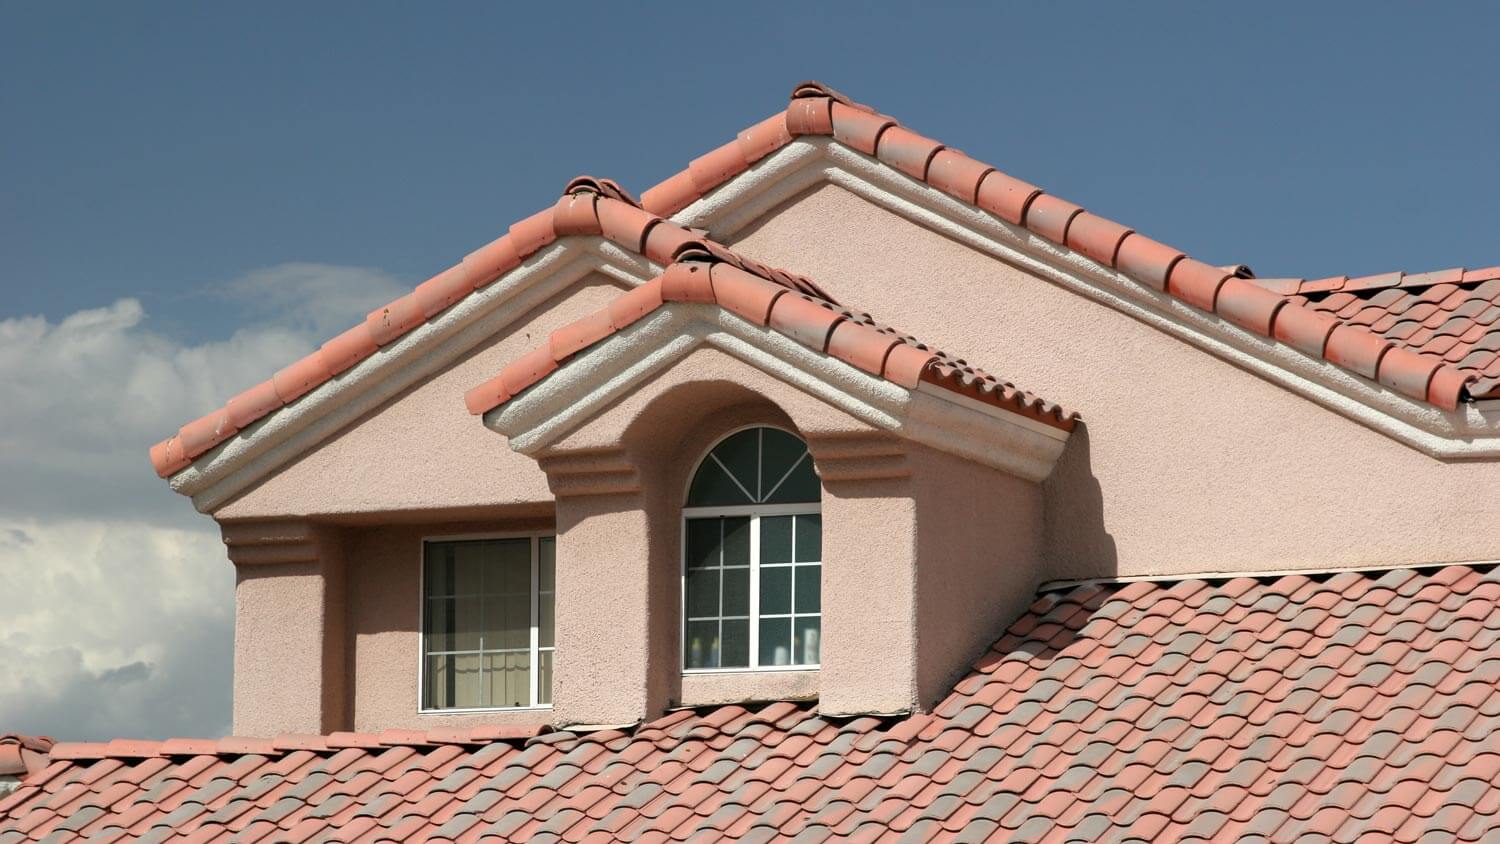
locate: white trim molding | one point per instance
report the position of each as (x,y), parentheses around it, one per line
(588,382)
(1471,432)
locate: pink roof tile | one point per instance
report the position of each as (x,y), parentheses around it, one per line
(1065,729)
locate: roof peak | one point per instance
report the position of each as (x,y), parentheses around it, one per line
(591,205)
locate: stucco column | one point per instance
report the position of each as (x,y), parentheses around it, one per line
(604,672)
(926,558)
(289,638)
(869,576)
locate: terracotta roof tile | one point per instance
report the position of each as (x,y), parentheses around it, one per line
(23,755)
(1061,730)
(588,206)
(599,206)
(816,109)
(773,300)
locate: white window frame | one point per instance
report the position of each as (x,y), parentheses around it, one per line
(755,512)
(536,616)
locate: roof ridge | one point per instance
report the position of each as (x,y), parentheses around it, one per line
(817,109)
(703,275)
(588,206)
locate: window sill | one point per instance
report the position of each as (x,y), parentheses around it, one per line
(770,669)
(484,709)
(711,687)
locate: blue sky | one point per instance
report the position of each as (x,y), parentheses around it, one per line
(156,150)
(192,195)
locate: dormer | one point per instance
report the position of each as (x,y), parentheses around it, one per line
(762,495)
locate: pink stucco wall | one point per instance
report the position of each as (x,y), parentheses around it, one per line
(979,561)
(1188,463)
(422,451)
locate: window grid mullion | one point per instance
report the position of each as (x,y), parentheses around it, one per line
(754,655)
(720,613)
(484,688)
(791,606)
(760,463)
(532,668)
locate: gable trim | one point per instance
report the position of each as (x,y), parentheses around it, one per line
(548,410)
(1470,431)
(264,447)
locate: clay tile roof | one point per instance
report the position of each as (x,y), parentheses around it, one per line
(588,206)
(592,206)
(792,306)
(1232,292)
(1444,323)
(23,755)
(1361,706)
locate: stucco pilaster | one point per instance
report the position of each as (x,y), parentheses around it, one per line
(604,672)
(289,644)
(869,646)
(926,558)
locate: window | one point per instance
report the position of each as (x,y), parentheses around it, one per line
(487,623)
(752,556)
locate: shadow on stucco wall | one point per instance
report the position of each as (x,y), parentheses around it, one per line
(1074,545)
(1075,542)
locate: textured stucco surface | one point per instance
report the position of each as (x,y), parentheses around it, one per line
(887,646)
(1185,464)
(422,450)
(1188,464)
(286,627)
(979,560)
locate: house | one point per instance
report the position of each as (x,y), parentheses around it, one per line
(635,524)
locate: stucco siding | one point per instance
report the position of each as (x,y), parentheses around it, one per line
(1188,463)
(423,451)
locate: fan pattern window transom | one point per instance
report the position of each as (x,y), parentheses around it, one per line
(752,556)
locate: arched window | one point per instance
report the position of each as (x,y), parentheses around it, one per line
(752,556)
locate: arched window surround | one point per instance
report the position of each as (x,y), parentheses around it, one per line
(775,565)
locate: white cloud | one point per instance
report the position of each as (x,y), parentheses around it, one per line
(85,398)
(119,607)
(114,630)
(320,298)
